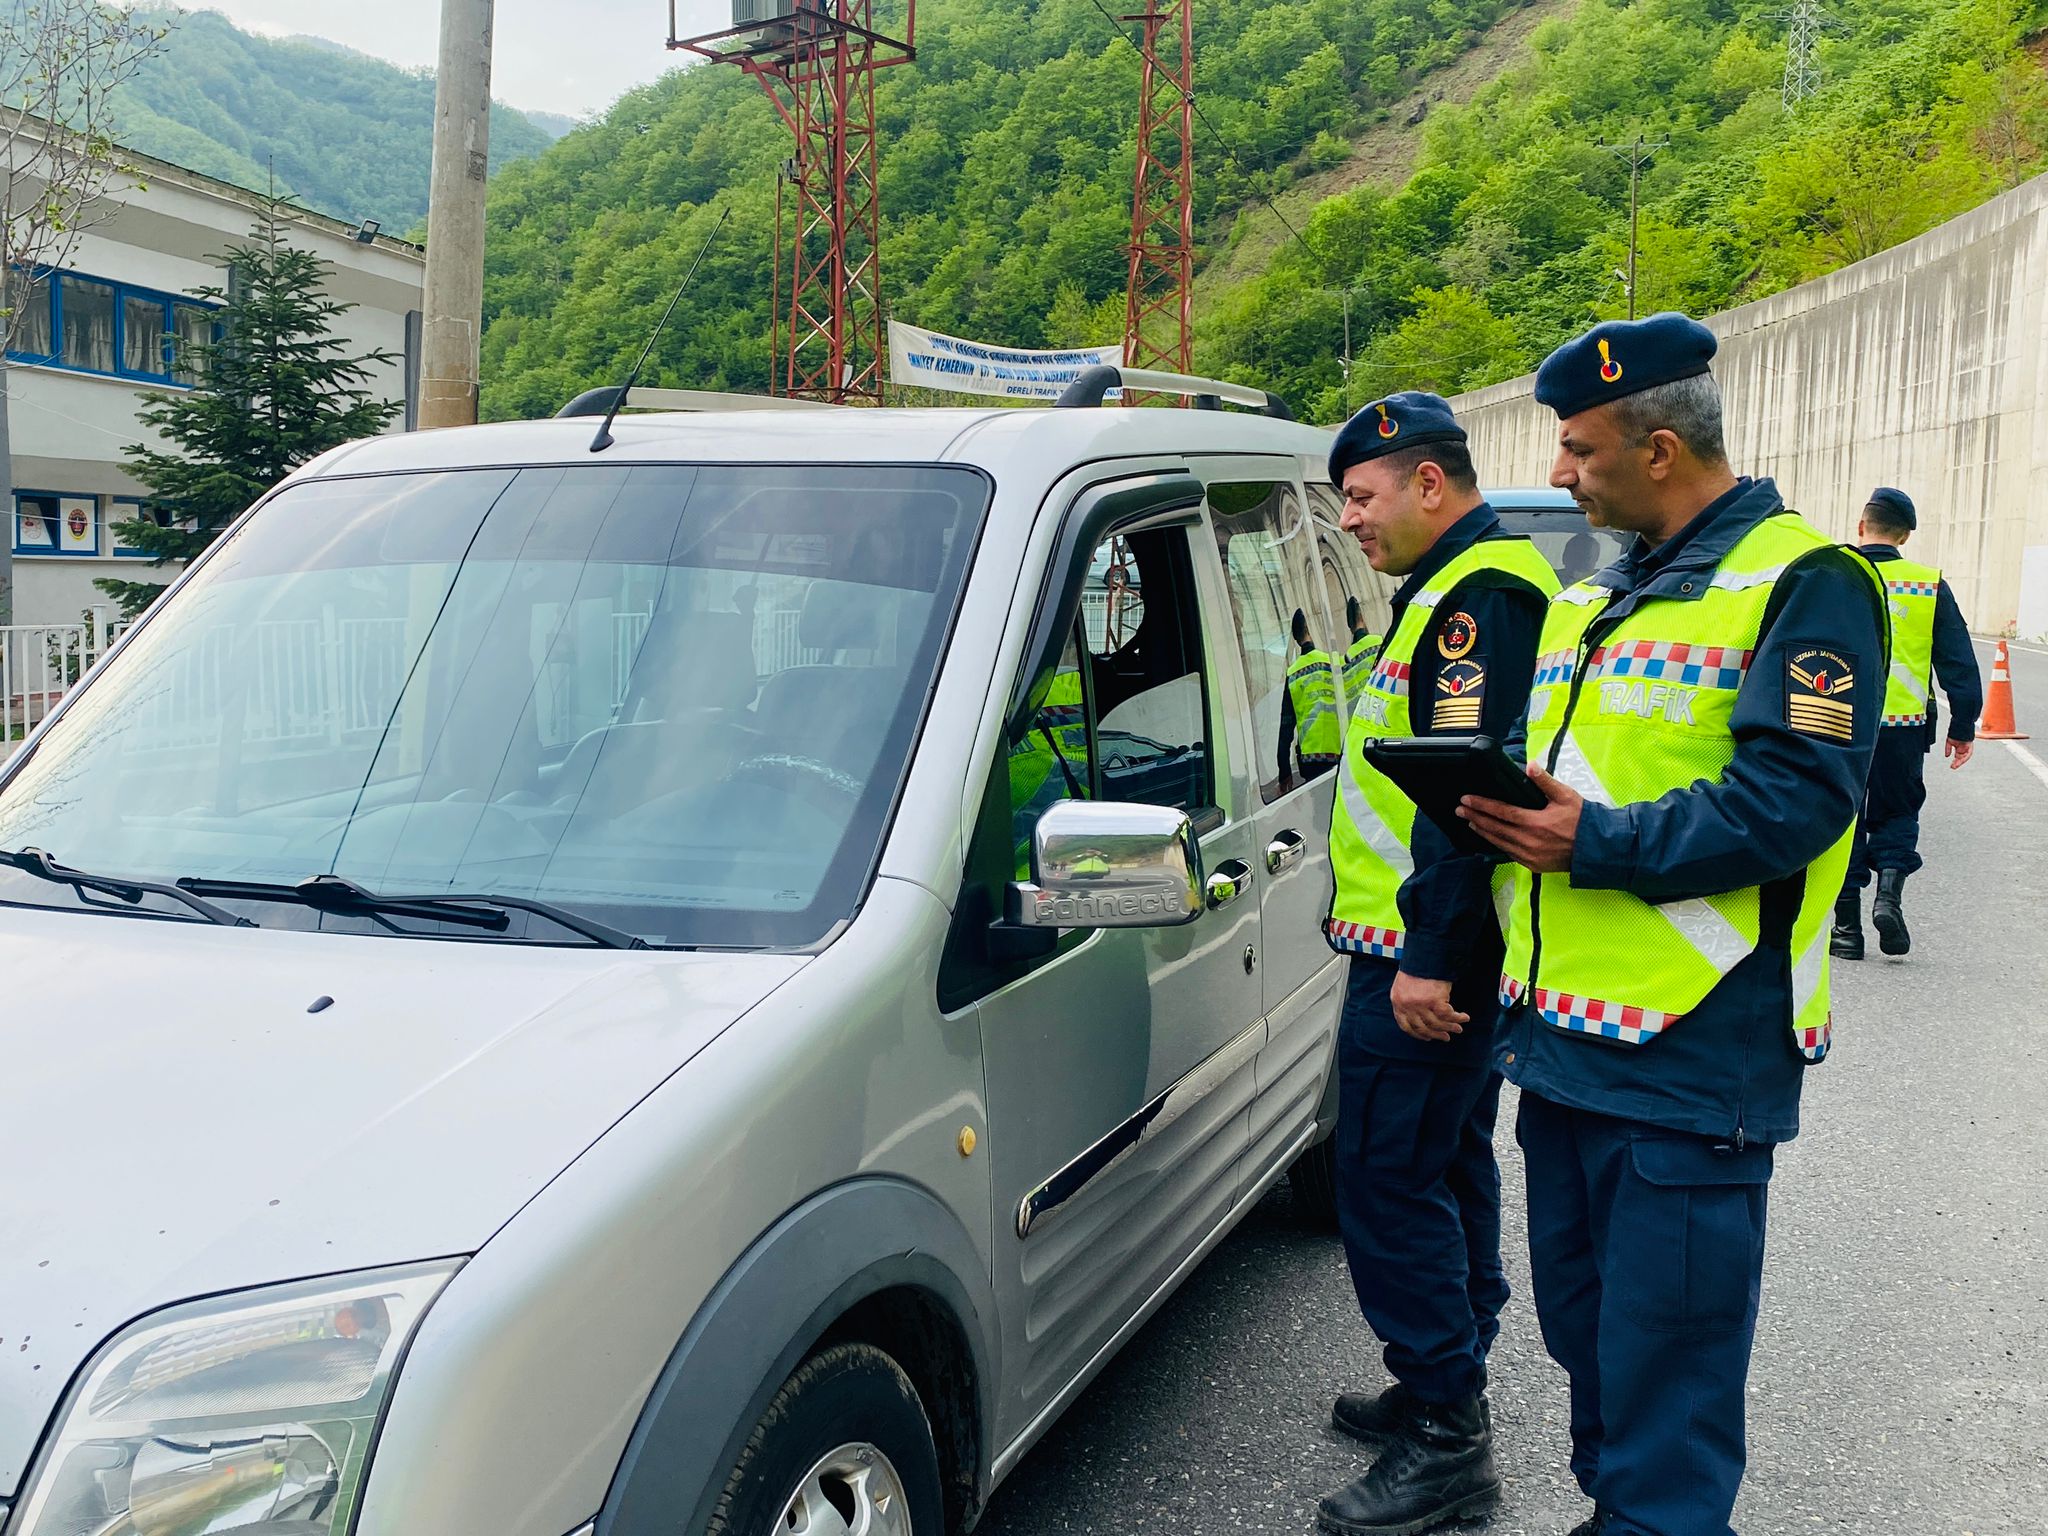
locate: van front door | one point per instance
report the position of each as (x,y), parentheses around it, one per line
(1121,1067)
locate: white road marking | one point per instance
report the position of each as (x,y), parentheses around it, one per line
(2028,760)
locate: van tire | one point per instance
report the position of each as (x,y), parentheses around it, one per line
(848,1394)
(1313,1179)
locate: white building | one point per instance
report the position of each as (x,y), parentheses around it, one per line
(97,336)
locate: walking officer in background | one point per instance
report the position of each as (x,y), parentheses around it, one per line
(1418,1191)
(1700,726)
(1311,733)
(1359,653)
(1929,640)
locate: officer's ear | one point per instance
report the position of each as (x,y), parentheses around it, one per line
(1666,449)
(1430,475)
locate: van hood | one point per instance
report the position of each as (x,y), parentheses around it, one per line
(175,1122)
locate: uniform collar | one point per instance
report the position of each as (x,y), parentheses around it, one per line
(1880,552)
(1702,543)
(1481,522)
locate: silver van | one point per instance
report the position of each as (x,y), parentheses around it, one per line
(706,985)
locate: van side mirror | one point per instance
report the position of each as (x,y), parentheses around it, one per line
(1101,864)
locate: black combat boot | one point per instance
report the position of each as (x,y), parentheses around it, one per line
(1887,916)
(1440,1470)
(1376,1420)
(1846,941)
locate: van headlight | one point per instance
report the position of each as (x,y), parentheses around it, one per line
(247,1415)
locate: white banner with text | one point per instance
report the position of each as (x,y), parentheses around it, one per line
(929,360)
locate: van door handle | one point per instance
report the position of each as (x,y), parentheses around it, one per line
(1230,880)
(1285,851)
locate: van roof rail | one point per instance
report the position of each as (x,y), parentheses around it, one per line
(1091,384)
(595,402)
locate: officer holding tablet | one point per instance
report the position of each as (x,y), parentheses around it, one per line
(1418,1191)
(1701,725)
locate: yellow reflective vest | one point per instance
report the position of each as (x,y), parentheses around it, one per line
(1909,592)
(1358,665)
(1312,685)
(1372,821)
(1642,713)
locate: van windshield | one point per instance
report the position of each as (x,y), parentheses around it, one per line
(675,699)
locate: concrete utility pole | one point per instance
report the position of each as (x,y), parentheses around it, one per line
(452,321)
(1638,155)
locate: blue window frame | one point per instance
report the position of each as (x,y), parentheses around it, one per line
(127,509)
(61,523)
(88,324)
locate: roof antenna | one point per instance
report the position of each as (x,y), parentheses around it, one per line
(603,440)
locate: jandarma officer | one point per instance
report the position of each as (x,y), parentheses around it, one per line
(1701,724)
(1929,640)
(1418,1191)
(1311,731)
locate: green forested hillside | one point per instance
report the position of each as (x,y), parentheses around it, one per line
(1007,169)
(1511,231)
(1006,181)
(348,135)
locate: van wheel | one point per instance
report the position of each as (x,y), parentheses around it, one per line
(1313,1179)
(844,1449)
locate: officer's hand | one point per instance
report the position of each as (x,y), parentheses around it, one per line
(1423,1008)
(1538,840)
(1957,752)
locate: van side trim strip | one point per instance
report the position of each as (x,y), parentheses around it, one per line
(1204,1079)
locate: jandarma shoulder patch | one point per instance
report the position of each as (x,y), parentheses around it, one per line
(1817,687)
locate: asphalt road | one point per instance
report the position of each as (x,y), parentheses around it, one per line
(1900,1386)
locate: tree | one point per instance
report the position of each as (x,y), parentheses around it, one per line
(61,63)
(276,388)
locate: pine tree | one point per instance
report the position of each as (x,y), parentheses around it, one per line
(274,388)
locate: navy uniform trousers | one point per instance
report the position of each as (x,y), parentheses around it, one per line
(1888,832)
(1646,1247)
(1418,1194)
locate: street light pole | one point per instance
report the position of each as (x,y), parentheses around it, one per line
(453,304)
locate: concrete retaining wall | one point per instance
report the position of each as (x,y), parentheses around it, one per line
(1925,367)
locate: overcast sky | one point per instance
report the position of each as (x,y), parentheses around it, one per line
(573,56)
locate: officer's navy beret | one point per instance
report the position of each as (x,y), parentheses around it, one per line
(1895,504)
(1407,420)
(1622,357)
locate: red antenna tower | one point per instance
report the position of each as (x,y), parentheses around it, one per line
(1159,307)
(817,61)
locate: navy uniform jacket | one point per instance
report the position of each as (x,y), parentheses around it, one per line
(1955,659)
(1728,1069)
(1451,931)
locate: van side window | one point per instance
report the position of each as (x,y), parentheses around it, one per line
(1263,543)
(1346,572)
(1126,718)
(1149,712)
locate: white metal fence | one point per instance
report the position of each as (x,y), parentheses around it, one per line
(39,664)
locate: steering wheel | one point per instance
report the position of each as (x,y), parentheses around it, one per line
(803,778)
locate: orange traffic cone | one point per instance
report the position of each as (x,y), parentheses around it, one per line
(1997,724)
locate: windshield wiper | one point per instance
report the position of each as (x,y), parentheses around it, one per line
(334,893)
(33,861)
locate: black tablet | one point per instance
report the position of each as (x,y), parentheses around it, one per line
(1437,771)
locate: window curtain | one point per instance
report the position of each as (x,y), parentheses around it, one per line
(88,325)
(142,336)
(30,301)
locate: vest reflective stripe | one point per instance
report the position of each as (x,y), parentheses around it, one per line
(1312,684)
(1358,664)
(1909,592)
(1650,714)
(1372,822)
